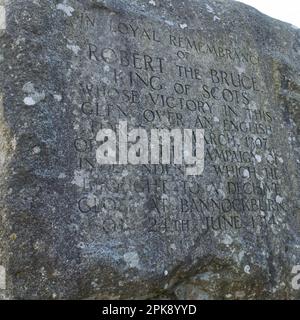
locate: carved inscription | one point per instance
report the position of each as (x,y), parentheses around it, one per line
(170,78)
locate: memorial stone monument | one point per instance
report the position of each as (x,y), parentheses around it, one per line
(88,211)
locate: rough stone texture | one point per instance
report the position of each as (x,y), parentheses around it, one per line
(150,234)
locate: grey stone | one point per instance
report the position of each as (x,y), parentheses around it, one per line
(72,228)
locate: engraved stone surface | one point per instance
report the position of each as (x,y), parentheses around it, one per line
(72,227)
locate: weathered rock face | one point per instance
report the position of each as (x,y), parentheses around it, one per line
(72,227)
